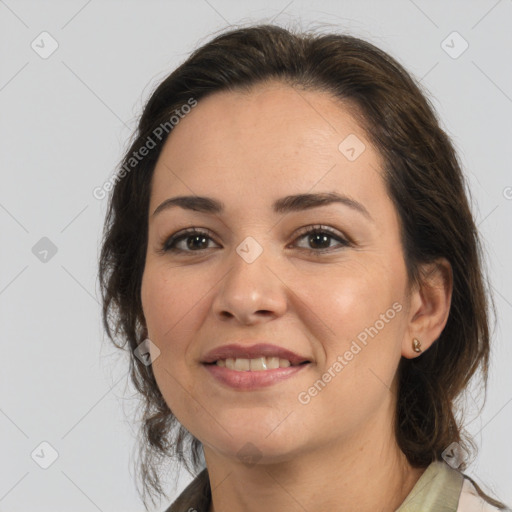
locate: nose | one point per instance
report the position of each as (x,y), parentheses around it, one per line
(251,292)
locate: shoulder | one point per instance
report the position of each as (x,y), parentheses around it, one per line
(196,496)
(471,501)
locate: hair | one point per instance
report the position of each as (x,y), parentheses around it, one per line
(422,176)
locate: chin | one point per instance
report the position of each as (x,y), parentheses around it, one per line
(251,452)
(254,444)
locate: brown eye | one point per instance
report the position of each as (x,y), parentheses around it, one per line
(319,239)
(195,241)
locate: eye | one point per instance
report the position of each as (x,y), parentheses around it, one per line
(321,236)
(196,240)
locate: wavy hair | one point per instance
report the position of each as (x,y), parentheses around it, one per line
(423,178)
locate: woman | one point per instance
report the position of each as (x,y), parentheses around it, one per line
(298,274)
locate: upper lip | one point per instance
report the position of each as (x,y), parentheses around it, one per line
(236,350)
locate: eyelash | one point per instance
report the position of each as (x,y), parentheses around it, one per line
(166,246)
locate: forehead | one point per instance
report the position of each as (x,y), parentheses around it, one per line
(275,140)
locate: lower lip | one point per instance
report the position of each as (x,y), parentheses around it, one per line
(252,379)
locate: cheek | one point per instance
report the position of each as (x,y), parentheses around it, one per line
(356,316)
(357,323)
(348,297)
(167,296)
(171,303)
(171,308)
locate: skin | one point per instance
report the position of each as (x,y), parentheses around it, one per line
(337,452)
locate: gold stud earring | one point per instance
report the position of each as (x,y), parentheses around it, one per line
(416,345)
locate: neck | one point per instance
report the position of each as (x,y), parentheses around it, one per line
(367,472)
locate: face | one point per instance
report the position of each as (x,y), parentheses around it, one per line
(251,274)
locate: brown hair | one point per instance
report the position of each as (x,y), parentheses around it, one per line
(423,179)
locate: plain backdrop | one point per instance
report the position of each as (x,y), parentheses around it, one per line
(74,76)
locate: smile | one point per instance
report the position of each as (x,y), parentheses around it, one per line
(256,365)
(251,378)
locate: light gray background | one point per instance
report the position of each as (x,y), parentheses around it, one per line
(65,121)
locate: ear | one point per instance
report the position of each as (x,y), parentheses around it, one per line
(429,306)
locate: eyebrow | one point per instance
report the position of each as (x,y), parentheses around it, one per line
(292,203)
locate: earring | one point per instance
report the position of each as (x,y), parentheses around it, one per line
(416,345)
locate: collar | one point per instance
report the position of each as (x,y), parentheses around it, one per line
(437,490)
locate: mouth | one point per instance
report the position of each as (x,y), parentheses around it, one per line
(257,364)
(250,374)
(255,357)
(245,367)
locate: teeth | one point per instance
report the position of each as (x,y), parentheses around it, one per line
(255,365)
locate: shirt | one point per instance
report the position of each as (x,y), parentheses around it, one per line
(440,488)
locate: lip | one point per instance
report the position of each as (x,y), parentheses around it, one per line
(249,380)
(236,350)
